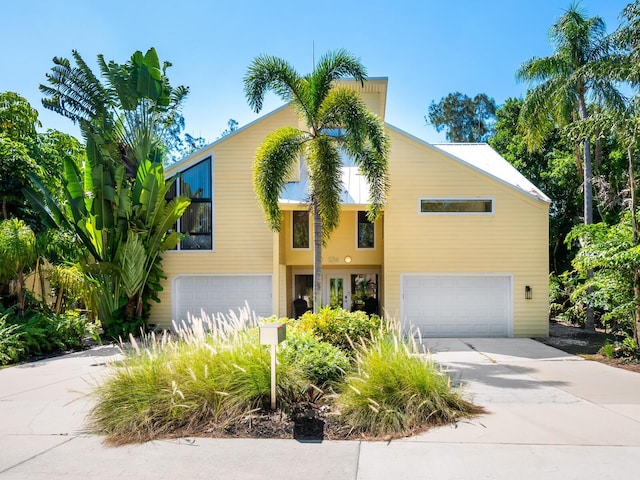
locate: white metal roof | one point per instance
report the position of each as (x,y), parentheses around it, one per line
(484,158)
(355,188)
(479,156)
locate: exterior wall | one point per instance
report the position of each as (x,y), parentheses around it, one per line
(343,242)
(242,242)
(512,241)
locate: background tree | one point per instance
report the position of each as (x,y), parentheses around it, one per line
(464,119)
(232,126)
(17,256)
(562,88)
(23,150)
(336,120)
(552,168)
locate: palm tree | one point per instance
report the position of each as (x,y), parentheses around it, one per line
(563,86)
(336,120)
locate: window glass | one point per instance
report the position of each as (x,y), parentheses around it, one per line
(300,229)
(366,232)
(455,205)
(195,182)
(196,223)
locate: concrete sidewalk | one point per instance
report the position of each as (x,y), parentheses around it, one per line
(552,415)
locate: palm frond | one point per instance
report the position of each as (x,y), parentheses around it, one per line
(331,67)
(269,73)
(74,92)
(325,181)
(274,160)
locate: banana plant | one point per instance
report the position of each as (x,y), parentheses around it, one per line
(115,202)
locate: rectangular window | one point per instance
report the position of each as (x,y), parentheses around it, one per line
(456,205)
(196,223)
(366,231)
(300,229)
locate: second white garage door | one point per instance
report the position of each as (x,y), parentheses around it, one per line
(458,305)
(215,294)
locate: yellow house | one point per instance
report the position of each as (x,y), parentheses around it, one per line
(460,250)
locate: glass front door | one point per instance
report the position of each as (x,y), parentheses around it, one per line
(352,290)
(339,293)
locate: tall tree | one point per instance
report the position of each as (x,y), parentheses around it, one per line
(115,202)
(336,120)
(552,168)
(23,150)
(562,88)
(464,119)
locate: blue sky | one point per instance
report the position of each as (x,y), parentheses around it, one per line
(426,48)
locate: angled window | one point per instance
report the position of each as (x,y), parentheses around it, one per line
(197,221)
(300,229)
(366,231)
(453,206)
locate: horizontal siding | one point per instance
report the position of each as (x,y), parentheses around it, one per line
(343,242)
(513,240)
(242,241)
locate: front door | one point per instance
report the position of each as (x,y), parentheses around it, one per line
(338,291)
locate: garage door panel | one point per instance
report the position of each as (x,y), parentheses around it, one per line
(457,305)
(215,294)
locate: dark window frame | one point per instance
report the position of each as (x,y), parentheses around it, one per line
(200,236)
(295,244)
(361,234)
(456,206)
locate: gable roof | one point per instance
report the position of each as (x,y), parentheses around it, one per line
(478,156)
(484,159)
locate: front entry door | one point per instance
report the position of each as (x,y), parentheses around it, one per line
(338,291)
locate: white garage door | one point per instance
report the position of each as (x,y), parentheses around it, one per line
(458,305)
(220,293)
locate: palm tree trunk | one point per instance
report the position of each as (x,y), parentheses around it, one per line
(590,325)
(317,257)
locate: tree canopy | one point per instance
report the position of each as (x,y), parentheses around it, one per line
(464,119)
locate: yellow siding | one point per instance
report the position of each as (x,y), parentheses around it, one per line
(511,241)
(242,241)
(343,242)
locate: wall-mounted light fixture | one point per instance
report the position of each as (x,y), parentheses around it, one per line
(347,259)
(528,292)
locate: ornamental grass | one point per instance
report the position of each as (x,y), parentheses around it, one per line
(395,389)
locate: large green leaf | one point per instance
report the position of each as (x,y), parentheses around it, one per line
(149,82)
(104,196)
(75,189)
(151,180)
(132,265)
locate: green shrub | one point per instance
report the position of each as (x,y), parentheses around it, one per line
(340,327)
(394,391)
(11,347)
(319,361)
(42,332)
(625,348)
(608,349)
(574,315)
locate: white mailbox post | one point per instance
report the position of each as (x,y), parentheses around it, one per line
(273,334)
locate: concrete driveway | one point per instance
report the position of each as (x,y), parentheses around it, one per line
(551,415)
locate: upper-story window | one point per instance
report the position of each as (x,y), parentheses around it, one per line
(447,206)
(197,221)
(366,231)
(300,229)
